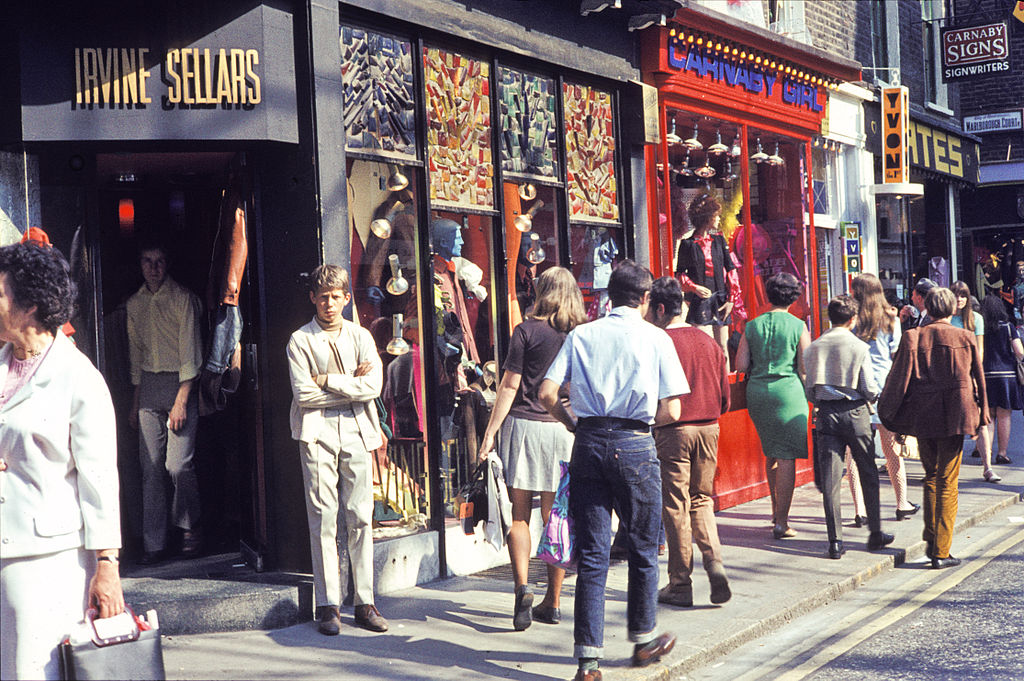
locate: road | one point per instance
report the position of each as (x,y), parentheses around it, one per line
(913,623)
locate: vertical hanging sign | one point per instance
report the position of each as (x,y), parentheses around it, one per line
(851,252)
(895,116)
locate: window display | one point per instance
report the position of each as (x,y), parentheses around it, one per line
(464,347)
(705,204)
(531,245)
(377,86)
(778,203)
(458,129)
(384,250)
(528,125)
(590,154)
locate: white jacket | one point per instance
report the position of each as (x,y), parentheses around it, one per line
(308,352)
(58,440)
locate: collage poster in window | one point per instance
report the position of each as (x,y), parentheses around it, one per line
(528,126)
(377,86)
(458,130)
(590,154)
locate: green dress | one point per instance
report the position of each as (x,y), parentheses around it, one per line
(775,394)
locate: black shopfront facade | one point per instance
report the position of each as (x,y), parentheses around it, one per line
(445,155)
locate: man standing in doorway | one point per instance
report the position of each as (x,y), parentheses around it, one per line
(688,451)
(165,355)
(623,376)
(336,374)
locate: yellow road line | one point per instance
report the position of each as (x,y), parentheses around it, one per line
(850,641)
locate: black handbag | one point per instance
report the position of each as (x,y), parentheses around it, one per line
(134,655)
(472,499)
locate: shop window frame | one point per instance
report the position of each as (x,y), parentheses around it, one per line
(421,38)
(802,143)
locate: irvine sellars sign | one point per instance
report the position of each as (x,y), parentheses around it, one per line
(975,51)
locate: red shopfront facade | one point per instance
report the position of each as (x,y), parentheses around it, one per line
(738,109)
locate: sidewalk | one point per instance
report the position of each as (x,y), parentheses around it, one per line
(462,628)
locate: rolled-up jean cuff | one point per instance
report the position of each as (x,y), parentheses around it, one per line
(641,639)
(579,651)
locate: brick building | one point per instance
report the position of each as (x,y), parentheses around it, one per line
(992,104)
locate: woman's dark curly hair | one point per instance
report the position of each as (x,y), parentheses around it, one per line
(703,210)
(38,276)
(783,289)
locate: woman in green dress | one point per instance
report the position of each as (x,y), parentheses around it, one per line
(771,354)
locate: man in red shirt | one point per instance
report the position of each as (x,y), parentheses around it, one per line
(688,451)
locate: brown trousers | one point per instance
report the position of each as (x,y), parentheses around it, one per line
(688,456)
(941,460)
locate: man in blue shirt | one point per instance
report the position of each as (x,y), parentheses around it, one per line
(623,375)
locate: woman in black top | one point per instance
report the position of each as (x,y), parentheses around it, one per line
(531,442)
(1002,348)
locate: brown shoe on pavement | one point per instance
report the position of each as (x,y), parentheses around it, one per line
(369,617)
(679,596)
(589,675)
(720,592)
(328,620)
(648,653)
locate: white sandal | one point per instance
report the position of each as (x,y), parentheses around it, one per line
(990,476)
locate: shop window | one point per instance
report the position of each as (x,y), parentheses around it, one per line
(528,125)
(704,157)
(778,203)
(462,304)
(377,81)
(383,208)
(531,241)
(595,234)
(458,130)
(590,154)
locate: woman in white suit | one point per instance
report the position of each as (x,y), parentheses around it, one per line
(59,514)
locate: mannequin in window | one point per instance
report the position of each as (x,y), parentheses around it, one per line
(707,273)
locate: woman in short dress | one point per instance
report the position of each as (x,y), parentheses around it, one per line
(1002,348)
(771,354)
(531,443)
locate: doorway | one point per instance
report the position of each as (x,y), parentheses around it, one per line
(183,200)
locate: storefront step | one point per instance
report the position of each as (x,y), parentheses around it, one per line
(189,605)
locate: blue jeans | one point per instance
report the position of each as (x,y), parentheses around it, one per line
(614,469)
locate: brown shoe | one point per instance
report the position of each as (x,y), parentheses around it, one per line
(648,653)
(328,620)
(591,675)
(720,592)
(679,596)
(369,617)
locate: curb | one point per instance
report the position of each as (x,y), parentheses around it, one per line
(766,625)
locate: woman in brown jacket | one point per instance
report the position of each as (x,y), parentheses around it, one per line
(936,392)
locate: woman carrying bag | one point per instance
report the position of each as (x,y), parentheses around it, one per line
(58,458)
(531,443)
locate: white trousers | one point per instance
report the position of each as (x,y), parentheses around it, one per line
(42,598)
(336,460)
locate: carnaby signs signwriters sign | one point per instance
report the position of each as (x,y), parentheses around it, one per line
(975,51)
(201,76)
